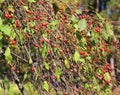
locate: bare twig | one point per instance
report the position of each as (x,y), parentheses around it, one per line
(19,57)
(17,81)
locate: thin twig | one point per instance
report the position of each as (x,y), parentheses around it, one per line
(19,57)
(17,81)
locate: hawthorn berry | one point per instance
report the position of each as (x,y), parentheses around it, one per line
(65,93)
(17,22)
(30,12)
(8,16)
(36,45)
(14,42)
(14,69)
(33,69)
(48,51)
(107,81)
(97,29)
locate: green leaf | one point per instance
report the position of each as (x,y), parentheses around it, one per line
(0,45)
(2,1)
(55,7)
(86,85)
(25,76)
(78,36)
(30,61)
(54,22)
(58,73)
(1,35)
(8,55)
(82,60)
(46,86)
(31,1)
(110,29)
(67,64)
(107,76)
(99,71)
(74,19)
(44,50)
(88,58)
(78,11)
(76,56)
(1,22)
(13,35)
(82,24)
(32,23)
(95,36)
(105,34)
(99,16)
(76,27)
(25,7)
(6,30)
(46,65)
(83,41)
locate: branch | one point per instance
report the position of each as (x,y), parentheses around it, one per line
(19,57)
(17,81)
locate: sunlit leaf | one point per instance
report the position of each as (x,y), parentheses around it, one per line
(46,86)
(105,34)
(107,76)
(30,61)
(2,1)
(8,55)
(46,65)
(67,64)
(78,11)
(74,19)
(58,73)
(76,27)
(6,30)
(44,50)
(1,22)
(82,24)
(99,16)
(76,56)
(82,60)
(110,29)
(83,40)
(31,1)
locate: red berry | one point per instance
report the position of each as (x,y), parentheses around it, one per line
(21,2)
(47,41)
(36,45)
(41,41)
(60,51)
(8,16)
(82,53)
(58,37)
(17,22)
(33,69)
(107,81)
(65,93)
(97,29)
(71,65)
(30,12)
(14,42)
(14,69)
(48,51)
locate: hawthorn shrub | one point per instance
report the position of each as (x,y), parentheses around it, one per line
(53,48)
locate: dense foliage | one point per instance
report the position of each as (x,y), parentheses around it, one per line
(53,48)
